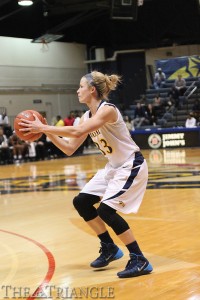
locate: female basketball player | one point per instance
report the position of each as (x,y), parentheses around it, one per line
(120,186)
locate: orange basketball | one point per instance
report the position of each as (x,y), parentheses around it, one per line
(27,114)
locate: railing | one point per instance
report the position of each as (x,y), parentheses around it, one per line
(189,92)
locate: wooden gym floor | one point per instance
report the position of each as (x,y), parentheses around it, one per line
(46,248)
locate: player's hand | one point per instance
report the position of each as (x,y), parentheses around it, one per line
(31,126)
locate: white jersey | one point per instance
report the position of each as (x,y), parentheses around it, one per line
(114,139)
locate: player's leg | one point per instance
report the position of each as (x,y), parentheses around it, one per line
(138,264)
(84,204)
(125,193)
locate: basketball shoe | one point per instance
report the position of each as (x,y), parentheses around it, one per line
(108,253)
(136,266)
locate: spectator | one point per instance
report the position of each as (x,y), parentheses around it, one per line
(5,124)
(190,121)
(50,149)
(170,105)
(151,114)
(180,85)
(53,121)
(53,151)
(5,120)
(159,79)
(139,116)
(158,106)
(4,148)
(173,96)
(31,150)
(19,147)
(77,118)
(69,121)
(157,100)
(60,121)
(40,148)
(167,115)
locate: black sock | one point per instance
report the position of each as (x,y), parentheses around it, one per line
(105,238)
(134,248)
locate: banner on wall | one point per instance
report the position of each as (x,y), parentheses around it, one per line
(187,66)
(167,138)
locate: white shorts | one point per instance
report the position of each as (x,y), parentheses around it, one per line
(121,188)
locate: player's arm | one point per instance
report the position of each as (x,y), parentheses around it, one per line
(67,146)
(106,114)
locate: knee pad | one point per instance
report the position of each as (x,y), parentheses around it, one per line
(112,219)
(84,205)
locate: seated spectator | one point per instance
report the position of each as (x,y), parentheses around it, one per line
(69,121)
(143,99)
(157,100)
(53,121)
(170,105)
(53,151)
(164,110)
(40,148)
(4,148)
(140,117)
(159,79)
(50,148)
(31,151)
(19,147)
(173,96)
(60,121)
(180,85)
(151,114)
(158,106)
(165,118)
(190,121)
(5,124)
(77,117)
(5,120)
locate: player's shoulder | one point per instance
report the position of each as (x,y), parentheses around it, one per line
(109,112)
(108,106)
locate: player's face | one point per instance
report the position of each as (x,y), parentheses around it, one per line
(84,91)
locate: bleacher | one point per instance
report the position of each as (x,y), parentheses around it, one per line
(180,115)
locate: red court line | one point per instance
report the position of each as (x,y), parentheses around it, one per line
(51,262)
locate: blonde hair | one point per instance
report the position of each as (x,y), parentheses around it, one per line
(103,83)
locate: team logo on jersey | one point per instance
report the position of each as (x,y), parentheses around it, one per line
(154,141)
(122,203)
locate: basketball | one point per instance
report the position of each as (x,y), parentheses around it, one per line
(28,115)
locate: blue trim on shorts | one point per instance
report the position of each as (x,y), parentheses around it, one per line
(139,159)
